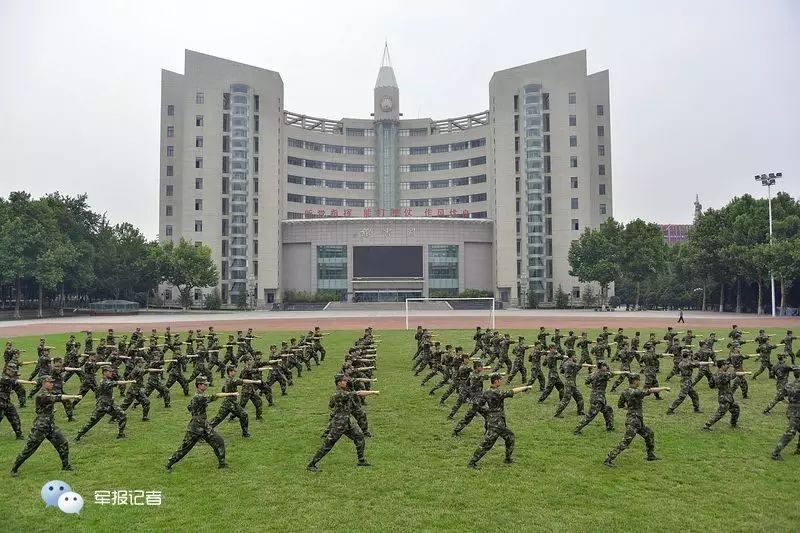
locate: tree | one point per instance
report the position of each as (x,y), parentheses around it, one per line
(595,256)
(561,298)
(643,253)
(186,266)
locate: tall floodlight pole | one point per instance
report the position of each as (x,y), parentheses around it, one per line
(769,180)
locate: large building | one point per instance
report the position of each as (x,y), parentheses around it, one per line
(384,208)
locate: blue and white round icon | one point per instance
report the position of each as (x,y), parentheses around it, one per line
(52,490)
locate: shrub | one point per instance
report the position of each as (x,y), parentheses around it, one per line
(561,299)
(213,300)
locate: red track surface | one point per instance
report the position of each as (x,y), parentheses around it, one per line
(8,329)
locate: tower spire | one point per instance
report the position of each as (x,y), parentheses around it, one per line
(386,72)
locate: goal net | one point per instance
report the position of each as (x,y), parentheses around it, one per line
(451,313)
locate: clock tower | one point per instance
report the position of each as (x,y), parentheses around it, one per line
(387,122)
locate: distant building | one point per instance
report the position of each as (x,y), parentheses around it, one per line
(674,233)
(385,207)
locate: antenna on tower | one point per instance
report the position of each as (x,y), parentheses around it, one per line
(386,60)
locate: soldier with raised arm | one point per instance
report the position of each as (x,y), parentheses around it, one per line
(8,381)
(44,426)
(229,405)
(104,405)
(571,391)
(727,404)
(493,408)
(199,428)
(632,399)
(793,414)
(598,381)
(341,425)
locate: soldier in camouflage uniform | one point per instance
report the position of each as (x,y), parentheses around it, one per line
(793,414)
(764,351)
(461,371)
(651,364)
(704,354)
(201,365)
(598,381)
(518,365)
(737,362)
(8,381)
(557,336)
(199,428)
(727,404)
(503,358)
(88,375)
(341,405)
(276,374)
(570,368)
(474,393)
(136,391)
(229,405)
(478,338)
(625,357)
(535,358)
(686,368)
(780,372)
(175,372)
(583,343)
(154,382)
(787,344)
(58,373)
(44,426)
(104,405)
(493,410)
(249,392)
(553,379)
(632,398)
(446,368)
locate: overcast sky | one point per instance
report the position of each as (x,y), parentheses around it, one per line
(703,94)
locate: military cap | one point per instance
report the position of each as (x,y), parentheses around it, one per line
(634,377)
(201,380)
(107,368)
(521,338)
(340,377)
(45,377)
(230,368)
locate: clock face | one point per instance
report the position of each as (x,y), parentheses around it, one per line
(386,104)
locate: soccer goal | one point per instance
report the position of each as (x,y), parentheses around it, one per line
(482,309)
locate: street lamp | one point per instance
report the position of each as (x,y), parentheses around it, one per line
(768,180)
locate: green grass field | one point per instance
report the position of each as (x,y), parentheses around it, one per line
(722,480)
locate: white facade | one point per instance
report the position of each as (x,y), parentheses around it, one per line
(235,167)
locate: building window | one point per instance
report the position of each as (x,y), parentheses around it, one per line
(602,189)
(198,121)
(169,170)
(169,190)
(255,164)
(170,151)
(600,110)
(170,110)
(170,131)
(198,183)
(255,185)
(255,145)
(255,247)
(255,227)
(198,205)
(255,123)
(255,205)
(256,102)
(601,150)
(226,185)
(573,182)
(601,131)
(602,209)
(573,203)
(573,120)
(516,103)
(168,230)
(573,161)
(575,225)
(198,142)
(168,211)
(601,169)
(198,225)
(573,140)
(576,293)
(572,98)
(199,98)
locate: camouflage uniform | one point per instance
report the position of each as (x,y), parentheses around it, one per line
(583,343)
(446,369)
(704,354)
(793,414)
(722,382)
(475,393)
(764,350)
(686,368)
(503,358)
(249,392)
(737,362)
(136,392)
(787,345)
(175,373)
(780,372)
(598,381)
(570,369)
(650,365)
(625,357)
(199,428)
(553,379)
(7,409)
(460,373)
(230,406)
(495,415)
(104,405)
(535,359)
(154,383)
(478,338)
(631,398)
(44,427)
(341,405)
(88,378)
(461,384)
(519,362)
